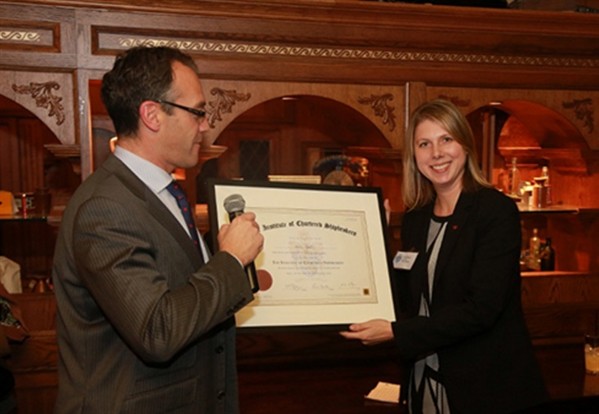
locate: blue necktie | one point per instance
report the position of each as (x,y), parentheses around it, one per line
(177,192)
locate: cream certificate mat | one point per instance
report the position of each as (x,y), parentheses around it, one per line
(324,260)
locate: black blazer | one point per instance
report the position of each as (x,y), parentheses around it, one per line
(476,325)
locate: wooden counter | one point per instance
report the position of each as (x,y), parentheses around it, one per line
(317,371)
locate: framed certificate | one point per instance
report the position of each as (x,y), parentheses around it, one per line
(324,261)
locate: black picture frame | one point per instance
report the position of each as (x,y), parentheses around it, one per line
(325,260)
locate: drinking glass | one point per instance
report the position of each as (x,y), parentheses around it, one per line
(591,354)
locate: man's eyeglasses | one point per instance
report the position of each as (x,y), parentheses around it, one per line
(197,112)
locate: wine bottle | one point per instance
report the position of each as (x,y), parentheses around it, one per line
(547,256)
(534,250)
(514,179)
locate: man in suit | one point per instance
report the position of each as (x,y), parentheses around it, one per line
(145,316)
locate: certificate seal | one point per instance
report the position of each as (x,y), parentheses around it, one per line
(264,279)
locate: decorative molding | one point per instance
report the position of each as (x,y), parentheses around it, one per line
(583,109)
(381,107)
(64,150)
(71,153)
(202,46)
(28,36)
(19,36)
(223,104)
(42,93)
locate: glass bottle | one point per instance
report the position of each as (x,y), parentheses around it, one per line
(534,250)
(513,184)
(547,256)
(536,199)
(545,173)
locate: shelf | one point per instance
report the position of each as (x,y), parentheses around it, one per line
(557,209)
(17,217)
(564,209)
(554,273)
(569,160)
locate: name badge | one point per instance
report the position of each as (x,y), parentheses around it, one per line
(404,260)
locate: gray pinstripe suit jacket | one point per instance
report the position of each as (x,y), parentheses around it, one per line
(142,326)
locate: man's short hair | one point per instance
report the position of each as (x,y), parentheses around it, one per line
(139,74)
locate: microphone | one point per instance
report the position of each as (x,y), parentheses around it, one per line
(234,205)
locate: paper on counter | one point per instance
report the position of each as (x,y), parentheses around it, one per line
(385,392)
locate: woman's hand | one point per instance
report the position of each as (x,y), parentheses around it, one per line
(372,332)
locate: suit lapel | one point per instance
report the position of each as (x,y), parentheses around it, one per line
(454,228)
(154,206)
(162,214)
(420,223)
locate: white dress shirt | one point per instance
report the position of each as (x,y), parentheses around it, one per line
(156,179)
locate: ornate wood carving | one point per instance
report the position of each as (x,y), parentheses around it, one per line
(583,109)
(19,36)
(42,93)
(381,107)
(223,104)
(249,48)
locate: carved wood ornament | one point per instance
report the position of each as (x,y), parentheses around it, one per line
(583,109)
(250,48)
(42,93)
(19,36)
(381,107)
(223,104)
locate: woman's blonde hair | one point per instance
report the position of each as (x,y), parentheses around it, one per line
(417,190)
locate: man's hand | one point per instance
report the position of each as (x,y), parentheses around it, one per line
(241,238)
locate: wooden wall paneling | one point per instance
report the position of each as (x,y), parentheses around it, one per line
(24,157)
(31,245)
(86,117)
(34,362)
(37,37)
(415,95)
(575,105)
(304,123)
(109,33)
(36,388)
(230,166)
(412,42)
(397,30)
(545,289)
(33,135)
(9,161)
(49,96)
(38,52)
(386,116)
(580,108)
(336,50)
(565,323)
(298,371)
(575,241)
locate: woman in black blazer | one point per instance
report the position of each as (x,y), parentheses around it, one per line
(461,328)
